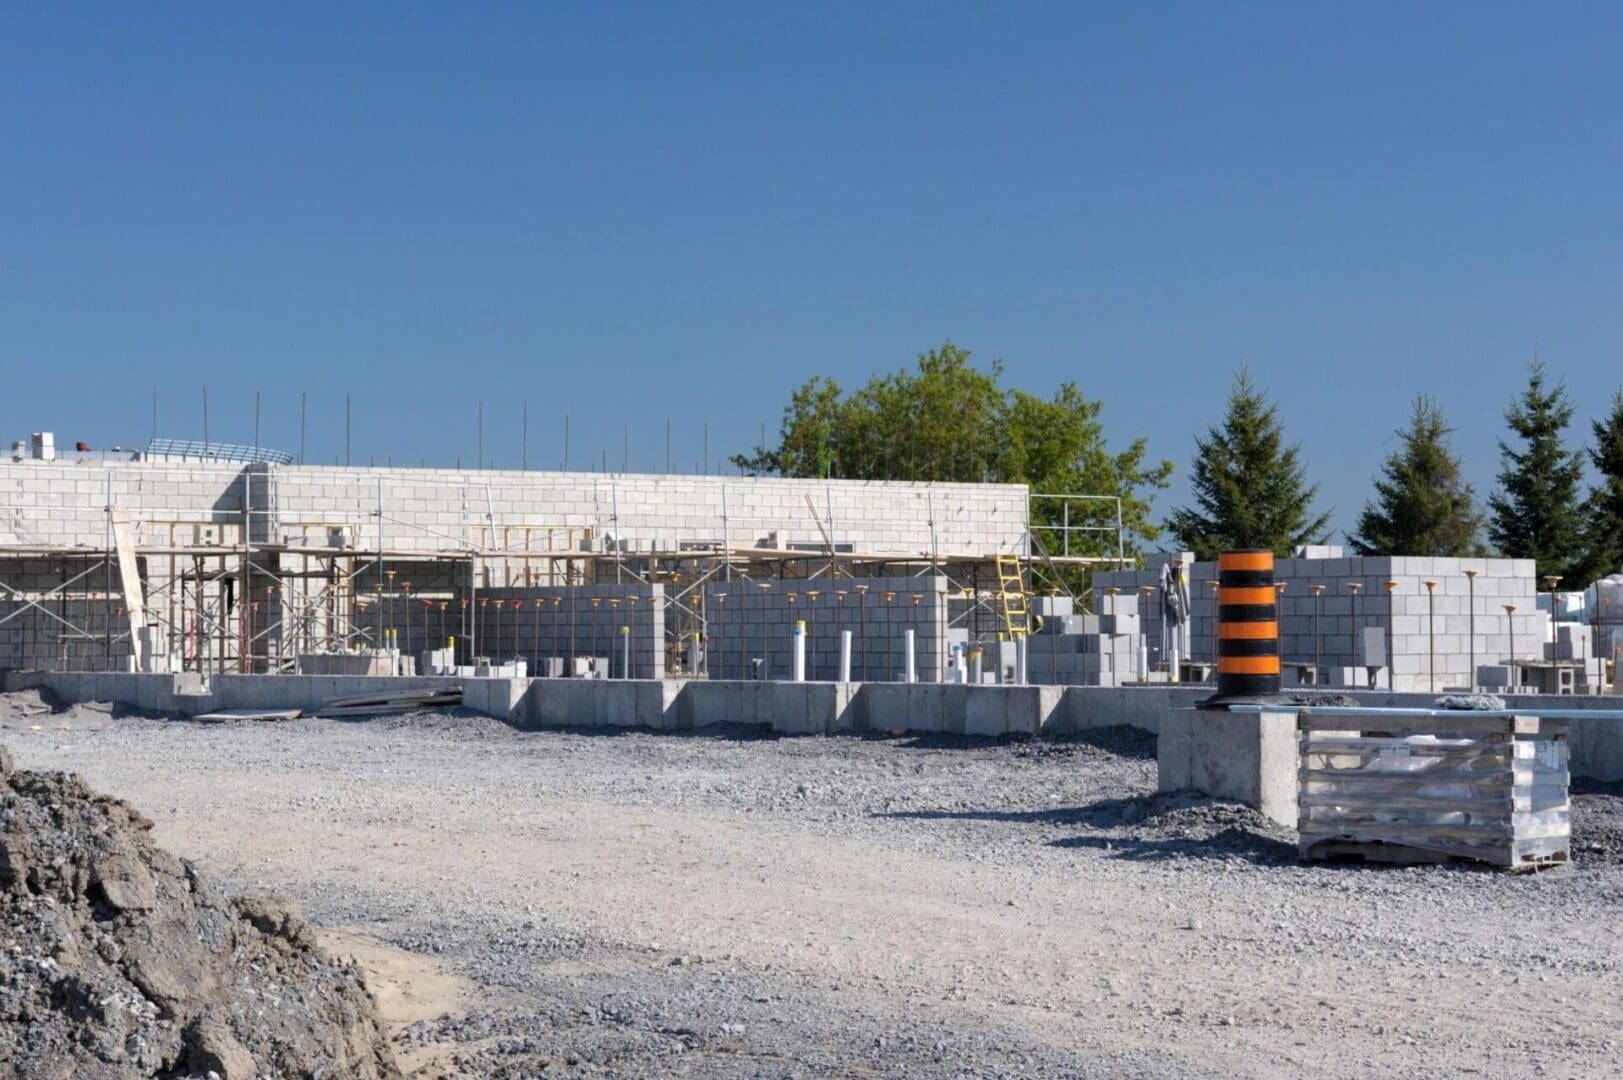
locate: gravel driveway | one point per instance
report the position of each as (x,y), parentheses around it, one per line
(724,904)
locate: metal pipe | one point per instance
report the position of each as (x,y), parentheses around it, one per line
(1470,578)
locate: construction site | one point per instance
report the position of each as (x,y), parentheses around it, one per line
(906,779)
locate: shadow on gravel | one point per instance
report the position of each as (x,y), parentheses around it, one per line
(1120,740)
(1151,827)
(1230,843)
(724,732)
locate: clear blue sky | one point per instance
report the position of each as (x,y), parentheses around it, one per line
(659,211)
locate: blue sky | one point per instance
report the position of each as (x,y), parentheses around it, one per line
(663,211)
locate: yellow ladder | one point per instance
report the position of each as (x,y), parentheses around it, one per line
(1012,599)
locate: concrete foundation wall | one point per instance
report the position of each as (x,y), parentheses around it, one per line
(1086,707)
(307,692)
(1247,757)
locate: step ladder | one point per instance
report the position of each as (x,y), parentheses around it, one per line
(1012,599)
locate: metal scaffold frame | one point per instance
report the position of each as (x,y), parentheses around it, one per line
(244,591)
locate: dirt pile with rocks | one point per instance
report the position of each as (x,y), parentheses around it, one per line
(119,960)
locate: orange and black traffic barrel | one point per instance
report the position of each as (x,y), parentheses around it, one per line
(1247,626)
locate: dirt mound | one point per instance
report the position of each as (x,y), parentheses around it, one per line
(119,960)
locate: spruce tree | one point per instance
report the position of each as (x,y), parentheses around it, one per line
(1422,504)
(1536,513)
(1250,487)
(1603,529)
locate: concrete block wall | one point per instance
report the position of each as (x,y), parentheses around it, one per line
(83,630)
(536,623)
(64,502)
(657,511)
(746,620)
(1499,582)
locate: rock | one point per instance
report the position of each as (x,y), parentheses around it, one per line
(213,1050)
(276,916)
(125,882)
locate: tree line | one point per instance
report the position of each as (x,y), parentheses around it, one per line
(945,420)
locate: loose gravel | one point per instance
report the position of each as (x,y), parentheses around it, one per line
(727,904)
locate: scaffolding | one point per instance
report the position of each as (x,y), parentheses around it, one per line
(246,591)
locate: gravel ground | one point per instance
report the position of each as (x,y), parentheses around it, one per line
(727,904)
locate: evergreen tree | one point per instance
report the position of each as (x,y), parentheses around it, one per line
(1250,488)
(1603,529)
(1536,513)
(1422,505)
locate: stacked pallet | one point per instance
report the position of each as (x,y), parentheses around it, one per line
(1400,788)
(401,701)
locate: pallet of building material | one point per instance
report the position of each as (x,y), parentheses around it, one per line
(220,716)
(1412,789)
(397,702)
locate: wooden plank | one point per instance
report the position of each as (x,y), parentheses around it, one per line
(220,716)
(403,697)
(129,576)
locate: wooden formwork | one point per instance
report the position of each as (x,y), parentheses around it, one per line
(1406,789)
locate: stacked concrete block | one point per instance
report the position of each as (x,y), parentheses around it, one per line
(749,620)
(1081,659)
(1329,628)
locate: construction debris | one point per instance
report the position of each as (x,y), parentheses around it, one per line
(125,961)
(220,716)
(398,702)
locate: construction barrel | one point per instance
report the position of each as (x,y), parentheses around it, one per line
(1247,625)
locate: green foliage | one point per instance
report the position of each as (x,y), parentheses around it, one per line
(1422,504)
(1250,488)
(1536,512)
(1603,524)
(948,421)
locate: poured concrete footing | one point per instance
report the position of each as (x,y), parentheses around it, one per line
(1247,757)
